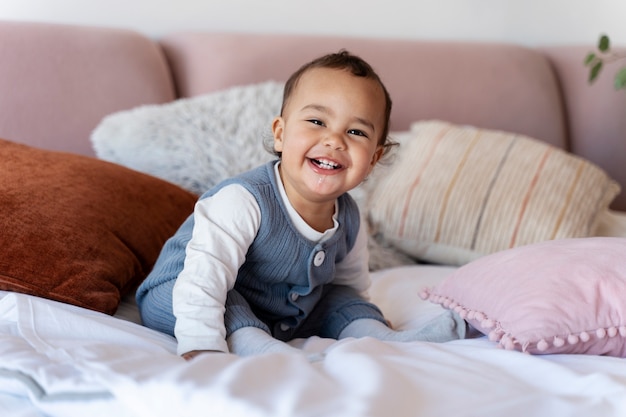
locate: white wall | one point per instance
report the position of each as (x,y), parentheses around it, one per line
(528,22)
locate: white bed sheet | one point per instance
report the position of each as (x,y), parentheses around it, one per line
(60,360)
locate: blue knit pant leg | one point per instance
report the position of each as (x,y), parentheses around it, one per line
(156,308)
(239,314)
(339,306)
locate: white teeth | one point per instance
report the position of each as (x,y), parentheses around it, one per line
(323,163)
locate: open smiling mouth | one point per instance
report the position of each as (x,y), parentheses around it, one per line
(325,164)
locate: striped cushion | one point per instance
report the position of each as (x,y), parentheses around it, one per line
(455,193)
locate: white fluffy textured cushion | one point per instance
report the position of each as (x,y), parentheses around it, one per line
(196,142)
(193,142)
(559,296)
(455,193)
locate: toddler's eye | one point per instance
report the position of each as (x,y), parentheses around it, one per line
(316,122)
(356,132)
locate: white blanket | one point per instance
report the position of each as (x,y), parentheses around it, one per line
(60,360)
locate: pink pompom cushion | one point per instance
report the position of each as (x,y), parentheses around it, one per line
(559,296)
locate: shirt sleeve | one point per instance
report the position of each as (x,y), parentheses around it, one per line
(220,240)
(353,270)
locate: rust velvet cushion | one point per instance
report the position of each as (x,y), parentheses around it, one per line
(80,230)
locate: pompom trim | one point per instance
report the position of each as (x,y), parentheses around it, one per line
(494,331)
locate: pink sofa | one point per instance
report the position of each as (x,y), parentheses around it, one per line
(58,81)
(78,234)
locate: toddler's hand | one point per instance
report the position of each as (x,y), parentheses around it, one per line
(190,355)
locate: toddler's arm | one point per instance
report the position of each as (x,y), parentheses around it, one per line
(220,240)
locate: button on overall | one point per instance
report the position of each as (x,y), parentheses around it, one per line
(319,258)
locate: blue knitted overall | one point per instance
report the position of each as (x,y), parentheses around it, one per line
(285,284)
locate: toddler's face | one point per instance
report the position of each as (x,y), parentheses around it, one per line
(329,134)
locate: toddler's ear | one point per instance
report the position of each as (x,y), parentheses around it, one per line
(377,155)
(278,127)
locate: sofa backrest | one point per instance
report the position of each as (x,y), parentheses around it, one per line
(58,81)
(489,85)
(596,114)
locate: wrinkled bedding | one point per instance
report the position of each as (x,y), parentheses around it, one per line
(60,360)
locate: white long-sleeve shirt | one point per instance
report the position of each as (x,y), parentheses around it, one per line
(225,226)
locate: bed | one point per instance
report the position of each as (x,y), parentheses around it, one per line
(502,202)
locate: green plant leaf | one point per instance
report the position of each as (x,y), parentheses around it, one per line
(590,58)
(620,79)
(604,44)
(595,70)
